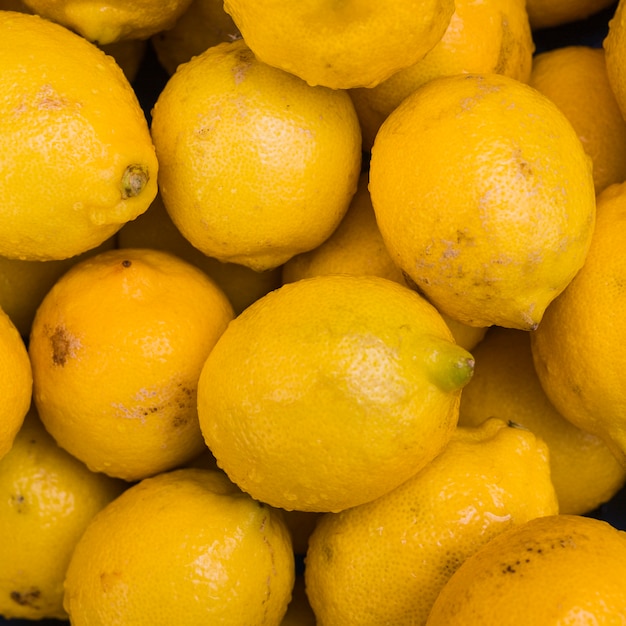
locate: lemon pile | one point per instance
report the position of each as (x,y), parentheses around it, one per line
(328,331)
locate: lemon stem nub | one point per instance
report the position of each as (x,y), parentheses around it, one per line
(450,366)
(134,180)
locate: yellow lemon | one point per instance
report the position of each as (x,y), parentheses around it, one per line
(615,47)
(327,380)
(484,196)
(187,547)
(356,247)
(584,471)
(485,36)
(548,13)
(575,79)
(108,21)
(256,165)
(117,347)
(202,25)
(558,569)
(385,562)
(78,158)
(47,499)
(23,284)
(154,229)
(341,44)
(16,382)
(577,349)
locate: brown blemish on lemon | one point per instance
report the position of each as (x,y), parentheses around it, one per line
(134,180)
(63,345)
(26,598)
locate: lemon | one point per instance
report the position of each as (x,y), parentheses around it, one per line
(116,347)
(584,471)
(341,44)
(614,45)
(327,380)
(577,347)
(47,499)
(78,158)
(549,13)
(16,382)
(256,165)
(109,21)
(494,226)
(202,25)
(154,229)
(575,78)
(558,569)
(385,562)
(182,547)
(487,36)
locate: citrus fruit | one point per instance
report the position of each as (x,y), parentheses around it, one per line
(558,569)
(327,380)
(154,229)
(108,21)
(575,79)
(356,247)
(23,284)
(79,161)
(484,196)
(187,546)
(614,45)
(486,36)
(341,44)
(117,346)
(385,562)
(16,382)
(255,165)
(47,499)
(202,25)
(549,13)
(577,347)
(584,471)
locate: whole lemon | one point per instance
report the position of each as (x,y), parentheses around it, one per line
(256,165)
(328,380)
(116,347)
(341,44)
(16,382)
(557,569)
(184,547)
(385,562)
(78,161)
(484,196)
(584,471)
(577,348)
(47,499)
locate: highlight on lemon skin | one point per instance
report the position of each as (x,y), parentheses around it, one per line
(328,379)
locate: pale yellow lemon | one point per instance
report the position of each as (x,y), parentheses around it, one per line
(79,160)
(47,499)
(16,382)
(255,165)
(385,562)
(484,196)
(341,44)
(185,546)
(116,348)
(327,380)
